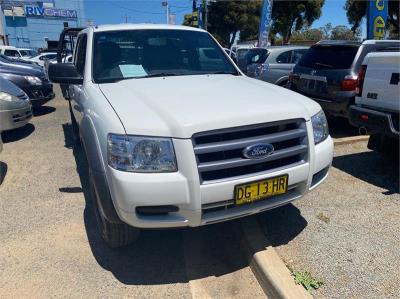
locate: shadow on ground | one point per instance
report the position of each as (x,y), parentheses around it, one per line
(283,224)
(42,110)
(18,134)
(340,127)
(172,255)
(372,168)
(3,171)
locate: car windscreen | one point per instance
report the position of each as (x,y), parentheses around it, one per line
(329,57)
(27,53)
(119,55)
(256,56)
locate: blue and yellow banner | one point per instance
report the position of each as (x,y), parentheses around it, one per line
(265,23)
(377,18)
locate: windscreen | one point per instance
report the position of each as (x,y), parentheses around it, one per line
(329,57)
(27,53)
(256,56)
(128,54)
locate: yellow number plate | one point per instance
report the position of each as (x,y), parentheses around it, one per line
(259,190)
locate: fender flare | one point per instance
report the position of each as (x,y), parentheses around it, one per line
(97,174)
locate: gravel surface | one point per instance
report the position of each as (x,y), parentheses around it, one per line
(346,233)
(50,246)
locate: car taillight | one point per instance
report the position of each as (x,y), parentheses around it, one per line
(349,83)
(360,80)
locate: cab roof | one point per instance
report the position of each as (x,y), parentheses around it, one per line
(118,27)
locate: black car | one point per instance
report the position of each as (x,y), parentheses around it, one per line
(30,78)
(327,72)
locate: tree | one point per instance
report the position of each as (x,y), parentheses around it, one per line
(308,34)
(289,16)
(344,33)
(356,10)
(227,18)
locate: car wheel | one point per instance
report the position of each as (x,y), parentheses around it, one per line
(75,129)
(114,234)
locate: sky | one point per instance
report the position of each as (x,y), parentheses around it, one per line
(151,11)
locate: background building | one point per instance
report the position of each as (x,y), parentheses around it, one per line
(38,24)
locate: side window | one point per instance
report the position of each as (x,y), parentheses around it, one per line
(11,53)
(297,54)
(80,55)
(284,57)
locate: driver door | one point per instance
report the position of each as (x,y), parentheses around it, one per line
(77,96)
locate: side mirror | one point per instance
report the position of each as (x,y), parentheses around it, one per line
(64,73)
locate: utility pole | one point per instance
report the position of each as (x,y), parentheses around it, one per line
(165,4)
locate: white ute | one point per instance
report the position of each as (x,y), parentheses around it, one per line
(176,135)
(378,102)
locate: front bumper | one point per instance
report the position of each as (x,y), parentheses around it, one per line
(13,119)
(375,121)
(200,204)
(39,94)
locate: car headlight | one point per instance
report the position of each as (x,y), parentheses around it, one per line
(33,80)
(320,127)
(141,154)
(4,96)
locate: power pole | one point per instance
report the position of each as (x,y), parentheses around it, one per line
(165,4)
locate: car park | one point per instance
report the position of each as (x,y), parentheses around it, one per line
(161,154)
(41,58)
(328,72)
(377,107)
(30,78)
(15,107)
(275,64)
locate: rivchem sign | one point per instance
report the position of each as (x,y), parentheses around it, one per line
(377,16)
(44,12)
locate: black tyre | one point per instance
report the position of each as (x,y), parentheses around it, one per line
(75,128)
(114,234)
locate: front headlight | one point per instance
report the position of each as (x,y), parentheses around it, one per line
(4,96)
(320,127)
(141,154)
(33,80)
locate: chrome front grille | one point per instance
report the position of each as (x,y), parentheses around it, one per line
(219,153)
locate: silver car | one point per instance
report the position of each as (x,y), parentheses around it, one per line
(15,107)
(273,64)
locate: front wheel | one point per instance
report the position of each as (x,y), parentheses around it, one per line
(114,234)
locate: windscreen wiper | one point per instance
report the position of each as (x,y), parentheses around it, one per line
(160,75)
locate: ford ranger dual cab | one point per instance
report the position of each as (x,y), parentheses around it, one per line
(176,135)
(377,105)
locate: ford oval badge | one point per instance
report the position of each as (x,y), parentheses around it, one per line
(258,151)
